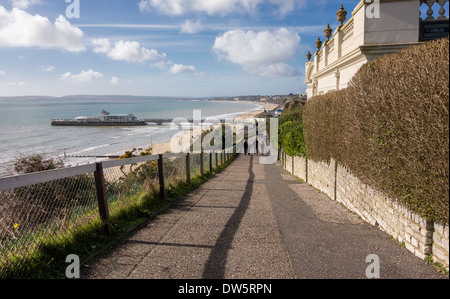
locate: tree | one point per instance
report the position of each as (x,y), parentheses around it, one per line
(36,163)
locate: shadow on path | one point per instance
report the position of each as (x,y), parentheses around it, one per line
(217,260)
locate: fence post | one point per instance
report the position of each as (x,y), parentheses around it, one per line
(162,187)
(101,197)
(210,163)
(188,168)
(202,164)
(217,160)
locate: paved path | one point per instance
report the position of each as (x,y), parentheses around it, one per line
(256,222)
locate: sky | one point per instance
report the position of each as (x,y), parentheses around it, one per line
(179,48)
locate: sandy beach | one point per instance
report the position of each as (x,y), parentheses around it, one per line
(166,147)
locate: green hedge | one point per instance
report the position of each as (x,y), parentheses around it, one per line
(391,127)
(291,135)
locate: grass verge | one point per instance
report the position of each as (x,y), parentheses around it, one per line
(49,260)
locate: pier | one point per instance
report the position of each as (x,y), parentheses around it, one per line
(161,122)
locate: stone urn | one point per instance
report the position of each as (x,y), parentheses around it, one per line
(309,56)
(318,43)
(328,32)
(341,15)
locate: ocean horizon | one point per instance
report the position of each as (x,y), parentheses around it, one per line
(25,125)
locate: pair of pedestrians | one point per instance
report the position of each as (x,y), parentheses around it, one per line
(246,147)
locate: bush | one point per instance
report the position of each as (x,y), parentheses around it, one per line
(36,163)
(291,135)
(391,127)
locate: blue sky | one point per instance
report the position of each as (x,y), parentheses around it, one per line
(181,48)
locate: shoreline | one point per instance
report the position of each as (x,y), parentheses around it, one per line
(157,147)
(165,147)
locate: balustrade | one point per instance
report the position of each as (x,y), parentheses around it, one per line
(431,9)
(360,33)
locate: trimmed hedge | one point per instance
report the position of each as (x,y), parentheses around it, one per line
(391,127)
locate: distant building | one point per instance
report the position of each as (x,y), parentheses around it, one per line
(374,29)
(106,116)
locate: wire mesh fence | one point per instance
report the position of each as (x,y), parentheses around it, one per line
(43,212)
(39,217)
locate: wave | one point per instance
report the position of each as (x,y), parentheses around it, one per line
(91,149)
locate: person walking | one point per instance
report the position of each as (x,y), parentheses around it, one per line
(257,147)
(245,147)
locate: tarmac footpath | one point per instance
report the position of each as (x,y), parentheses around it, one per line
(255,221)
(225,229)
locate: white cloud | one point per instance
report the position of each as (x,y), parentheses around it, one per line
(114,81)
(263,53)
(101,45)
(179,69)
(2,72)
(21,29)
(84,76)
(24,4)
(192,27)
(127,51)
(181,7)
(133,52)
(216,7)
(49,68)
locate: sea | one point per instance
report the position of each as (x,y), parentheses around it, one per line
(25,126)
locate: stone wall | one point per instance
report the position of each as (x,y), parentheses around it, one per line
(440,243)
(419,235)
(321,175)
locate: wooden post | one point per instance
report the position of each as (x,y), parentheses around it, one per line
(188,169)
(202,164)
(217,160)
(101,198)
(162,187)
(210,163)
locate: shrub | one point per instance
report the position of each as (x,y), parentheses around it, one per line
(391,127)
(35,163)
(291,135)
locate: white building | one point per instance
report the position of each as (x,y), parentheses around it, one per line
(106,116)
(374,28)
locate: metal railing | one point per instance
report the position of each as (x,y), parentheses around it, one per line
(43,211)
